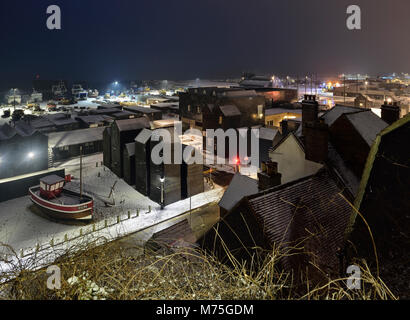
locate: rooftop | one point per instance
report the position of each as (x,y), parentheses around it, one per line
(68,138)
(308,207)
(333,114)
(132,124)
(230,110)
(368,124)
(239,187)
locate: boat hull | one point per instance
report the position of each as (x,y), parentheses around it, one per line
(77,211)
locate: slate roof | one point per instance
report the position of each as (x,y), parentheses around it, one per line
(267,133)
(333,114)
(74,137)
(132,124)
(368,124)
(94,119)
(21,129)
(239,187)
(310,207)
(273,111)
(230,110)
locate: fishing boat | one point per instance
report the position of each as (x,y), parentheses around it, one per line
(58,202)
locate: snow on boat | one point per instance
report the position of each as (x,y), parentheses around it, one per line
(61,203)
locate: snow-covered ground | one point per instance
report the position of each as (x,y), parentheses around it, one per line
(24,228)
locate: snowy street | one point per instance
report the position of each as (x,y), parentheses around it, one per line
(24,227)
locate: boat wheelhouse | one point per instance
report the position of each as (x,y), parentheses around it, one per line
(58,202)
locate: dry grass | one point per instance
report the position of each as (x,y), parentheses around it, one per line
(112,271)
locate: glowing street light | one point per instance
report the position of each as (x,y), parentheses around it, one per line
(30,155)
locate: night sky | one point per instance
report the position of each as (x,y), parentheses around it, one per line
(185,39)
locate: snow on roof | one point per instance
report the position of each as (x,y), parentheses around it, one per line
(130,147)
(333,114)
(24,129)
(239,187)
(68,138)
(132,124)
(230,110)
(143,136)
(51,179)
(93,118)
(165,104)
(367,124)
(163,123)
(273,111)
(267,133)
(141,109)
(7,132)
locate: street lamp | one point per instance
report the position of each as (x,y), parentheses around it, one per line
(30,155)
(14,98)
(162,180)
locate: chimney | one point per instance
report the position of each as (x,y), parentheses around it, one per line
(284,127)
(310,110)
(269,177)
(390,112)
(316,141)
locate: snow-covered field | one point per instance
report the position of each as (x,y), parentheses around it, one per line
(24,228)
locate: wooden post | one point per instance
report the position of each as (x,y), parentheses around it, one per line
(105,223)
(118,219)
(129,214)
(81,232)
(66,237)
(81,172)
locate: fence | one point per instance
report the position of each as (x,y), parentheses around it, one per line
(89,230)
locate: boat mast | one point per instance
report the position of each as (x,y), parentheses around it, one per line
(81,172)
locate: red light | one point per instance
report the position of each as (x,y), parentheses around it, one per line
(237,161)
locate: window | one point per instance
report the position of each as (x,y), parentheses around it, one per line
(198,109)
(189,108)
(42,185)
(53,187)
(260,111)
(220,120)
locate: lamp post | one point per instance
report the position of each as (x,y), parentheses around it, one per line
(162,180)
(14,98)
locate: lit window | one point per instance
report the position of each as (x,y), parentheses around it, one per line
(53,187)
(220,120)
(189,108)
